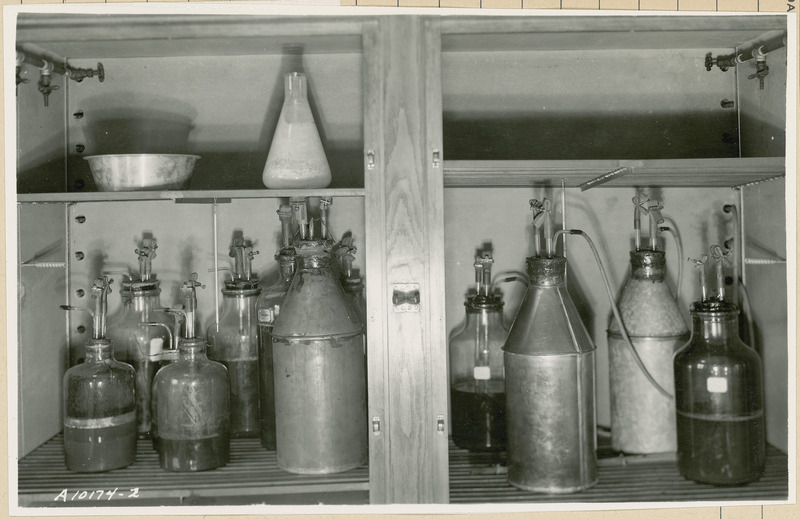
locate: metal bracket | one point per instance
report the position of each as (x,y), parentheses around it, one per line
(405,297)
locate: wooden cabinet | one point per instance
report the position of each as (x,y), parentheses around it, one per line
(438,130)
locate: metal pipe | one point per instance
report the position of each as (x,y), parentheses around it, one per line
(564,222)
(764,261)
(215,211)
(761,48)
(759,181)
(742,242)
(602,179)
(45,264)
(548,228)
(737,245)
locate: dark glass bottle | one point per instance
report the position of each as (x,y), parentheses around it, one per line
(719,400)
(191,403)
(268,307)
(477,381)
(136,343)
(234,343)
(99,403)
(192,407)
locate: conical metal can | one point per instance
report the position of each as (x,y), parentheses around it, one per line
(642,418)
(550,377)
(320,380)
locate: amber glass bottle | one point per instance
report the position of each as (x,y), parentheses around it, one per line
(719,400)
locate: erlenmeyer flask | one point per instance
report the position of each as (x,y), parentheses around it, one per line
(296,158)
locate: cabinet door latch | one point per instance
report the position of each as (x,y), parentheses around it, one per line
(405,297)
(376,425)
(440,424)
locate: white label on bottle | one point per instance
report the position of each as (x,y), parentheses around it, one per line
(265,316)
(481,372)
(156,345)
(717,384)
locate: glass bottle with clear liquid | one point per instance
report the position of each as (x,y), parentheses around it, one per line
(99,404)
(234,343)
(477,378)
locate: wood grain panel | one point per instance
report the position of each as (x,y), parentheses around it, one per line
(375,261)
(410,211)
(434,210)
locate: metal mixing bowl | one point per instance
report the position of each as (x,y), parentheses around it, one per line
(141,172)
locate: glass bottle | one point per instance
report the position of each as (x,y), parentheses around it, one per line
(477,375)
(234,343)
(191,403)
(134,342)
(320,383)
(643,418)
(719,400)
(99,403)
(296,157)
(268,308)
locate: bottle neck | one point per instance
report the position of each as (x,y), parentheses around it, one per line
(717,327)
(547,271)
(144,302)
(489,315)
(192,349)
(648,265)
(314,262)
(287,268)
(295,89)
(98,350)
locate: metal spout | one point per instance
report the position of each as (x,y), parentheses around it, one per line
(190,303)
(146,254)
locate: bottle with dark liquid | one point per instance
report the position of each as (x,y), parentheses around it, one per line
(719,400)
(192,403)
(233,342)
(99,403)
(477,384)
(134,342)
(268,307)
(719,394)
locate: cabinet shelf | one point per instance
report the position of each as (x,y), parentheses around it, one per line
(481,478)
(721,172)
(189,196)
(252,476)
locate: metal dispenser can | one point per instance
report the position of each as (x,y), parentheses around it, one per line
(320,382)
(719,398)
(134,341)
(233,342)
(477,380)
(550,377)
(191,403)
(643,418)
(99,404)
